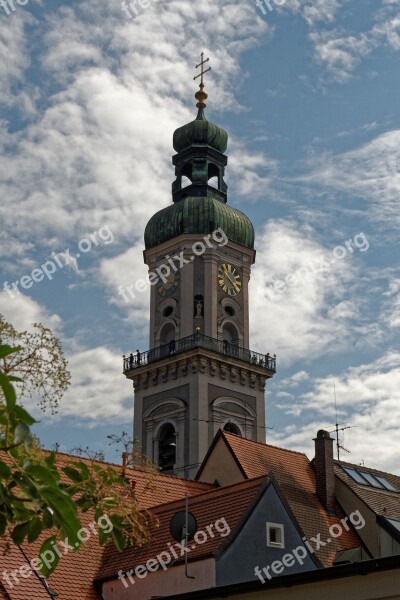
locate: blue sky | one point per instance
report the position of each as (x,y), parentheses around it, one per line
(309,94)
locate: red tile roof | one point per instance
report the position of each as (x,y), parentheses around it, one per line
(31,588)
(229,502)
(73,578)
(296,478)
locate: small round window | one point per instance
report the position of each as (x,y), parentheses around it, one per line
(230,311)
(167,312)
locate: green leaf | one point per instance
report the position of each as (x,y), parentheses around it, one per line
(19,532)
(35,529)
(5,471)
(9,392)
(73,474)
(21,433)
(5,350)
(48,520)
(47,552)
(22,415)
(3,524)
(119,540)
(51,459)
(42,475)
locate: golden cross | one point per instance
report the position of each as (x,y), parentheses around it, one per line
(201,64)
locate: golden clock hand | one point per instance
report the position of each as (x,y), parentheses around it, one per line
(230,279)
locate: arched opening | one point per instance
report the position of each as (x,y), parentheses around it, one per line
(167,447)
(186,175)
(213,176)
(230,334)
(185,182)
(232,428)
(167,334)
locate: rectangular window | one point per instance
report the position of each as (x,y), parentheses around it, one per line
(275,535)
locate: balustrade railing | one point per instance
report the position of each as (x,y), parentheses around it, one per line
(199,340)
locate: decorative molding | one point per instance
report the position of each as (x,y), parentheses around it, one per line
(199,363)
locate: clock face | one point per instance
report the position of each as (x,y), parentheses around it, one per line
(229,279)
(168,287)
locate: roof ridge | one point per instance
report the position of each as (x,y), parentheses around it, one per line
(246,483)
(131,468)
(228,433)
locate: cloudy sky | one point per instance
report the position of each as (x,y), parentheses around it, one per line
(309,92)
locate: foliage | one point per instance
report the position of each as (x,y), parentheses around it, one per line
(36,496)
(40,364)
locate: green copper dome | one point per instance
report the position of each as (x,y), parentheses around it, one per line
(199,207)
(200,215)
(200,131)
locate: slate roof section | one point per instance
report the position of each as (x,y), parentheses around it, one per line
(296,477)
(231,503)
(382,502)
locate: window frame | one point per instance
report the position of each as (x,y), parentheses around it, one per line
(277,527)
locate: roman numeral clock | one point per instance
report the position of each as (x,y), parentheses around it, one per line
(229,279)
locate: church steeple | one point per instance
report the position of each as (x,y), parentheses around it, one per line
(199,373)
(200,147)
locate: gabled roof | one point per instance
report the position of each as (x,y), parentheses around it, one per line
(296,478)
(382,502)
(231,503)
(73,578)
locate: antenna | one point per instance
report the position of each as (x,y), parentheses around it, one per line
(183,527)
(337,429)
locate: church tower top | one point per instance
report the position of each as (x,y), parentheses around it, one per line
(199,192)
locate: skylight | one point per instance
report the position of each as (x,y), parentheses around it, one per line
(367,478)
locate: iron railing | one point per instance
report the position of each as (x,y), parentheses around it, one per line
(199,340)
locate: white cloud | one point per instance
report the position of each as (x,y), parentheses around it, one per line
(316,310)
(370,172)
(21,311)
(99,393)
(366,395)
(99,152)
(340,54)
(295,380)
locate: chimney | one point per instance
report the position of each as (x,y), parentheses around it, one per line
(325,476)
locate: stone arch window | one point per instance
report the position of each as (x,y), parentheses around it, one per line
(167,334)
(232,428)
(167,447)
(230,334)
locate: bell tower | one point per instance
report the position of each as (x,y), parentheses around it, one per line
(199,374)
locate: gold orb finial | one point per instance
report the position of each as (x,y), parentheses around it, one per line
(201,95)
